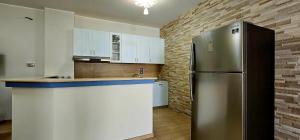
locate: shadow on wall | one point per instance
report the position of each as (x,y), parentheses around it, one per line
(5,102)
(5,94)
(2,64)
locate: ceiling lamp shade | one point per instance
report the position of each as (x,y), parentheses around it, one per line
(146,4)
(146,11)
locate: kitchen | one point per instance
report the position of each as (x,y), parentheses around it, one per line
(50,40)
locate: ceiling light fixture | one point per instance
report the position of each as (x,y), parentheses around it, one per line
(146,4)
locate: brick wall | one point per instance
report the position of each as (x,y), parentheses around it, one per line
(283,16)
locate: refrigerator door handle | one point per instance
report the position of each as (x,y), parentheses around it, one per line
(191,71)
(191,86)
(192,58)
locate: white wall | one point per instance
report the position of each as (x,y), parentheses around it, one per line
(21,41)
(59,42)
(112,26)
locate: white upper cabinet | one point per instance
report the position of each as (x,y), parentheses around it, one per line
(143,49)
(157,51)
(120,48)
(80,48)
(129,43)
(115,42)
(91,43)
(162,51)
(101,44)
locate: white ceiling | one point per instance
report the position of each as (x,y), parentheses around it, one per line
(118,10)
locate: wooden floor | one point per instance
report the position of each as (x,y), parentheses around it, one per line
(168,125)
(5,130)
(171,125)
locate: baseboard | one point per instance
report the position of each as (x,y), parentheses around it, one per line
(5,121)
(143,137)
(159,107)
(5,128)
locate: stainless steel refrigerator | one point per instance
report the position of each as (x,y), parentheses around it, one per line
(232,83)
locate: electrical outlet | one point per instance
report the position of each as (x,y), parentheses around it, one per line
(30,64)
(141,70)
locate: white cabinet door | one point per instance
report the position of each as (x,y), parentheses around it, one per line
(91,43)
(91,37)
(129,44)
(77,42)
(80,47)
(157,49)
(101,44)
(84,42)
(161,56)
(143,49)
(160,93)
(116,44)
(154,51)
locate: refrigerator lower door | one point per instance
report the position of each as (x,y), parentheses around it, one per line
(217,106)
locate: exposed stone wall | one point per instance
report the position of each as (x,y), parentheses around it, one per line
(283,16)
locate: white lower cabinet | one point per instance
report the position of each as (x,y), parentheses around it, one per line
(160,93)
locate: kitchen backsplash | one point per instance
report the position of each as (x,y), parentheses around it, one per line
(97,70)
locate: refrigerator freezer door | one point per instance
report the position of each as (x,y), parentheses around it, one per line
(219,49)
(217,106)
